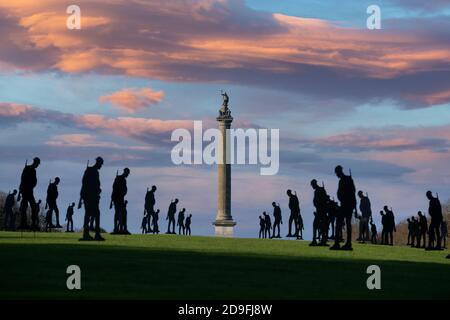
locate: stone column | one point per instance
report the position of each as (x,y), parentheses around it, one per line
(224,224)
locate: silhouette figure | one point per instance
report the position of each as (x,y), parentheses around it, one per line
(366,215)
(409,231)
(144,225)
(149,206)
(171,216)
(277,218)
(180,222)
(262,227)
(28,182)
(52,196)
(320,223)
(333,208)
(90,197)
(422,230)
(384,224)
(415,231)
(294,206)
(119,191)
(300,227)
(435,212)
(188,224)
(373,230)
(390,226)
(444,234)
(346,196)
(10,201)
(267,225)
(155,222)
(69,216)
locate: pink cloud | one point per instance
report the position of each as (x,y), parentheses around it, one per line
(132,100)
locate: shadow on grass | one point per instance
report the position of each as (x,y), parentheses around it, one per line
(38,271)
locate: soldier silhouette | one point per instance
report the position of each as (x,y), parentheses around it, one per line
(262,227)
(409,231)
(180,222)
(155,219)
(294,206)
(150,205)
(10,201)
(28,182)
(423,228)
(90,196)
(119,191)
(366,215)
(347,198)
(415,231)
(188,224)
(52,196)
(444,234)
(267,225)
(300,227)
(384,225)
(435,212)
(332,213)
(373,230)
(390,219)
(144,225)
(277,218)
(69,216)
(171,216)
(320,224)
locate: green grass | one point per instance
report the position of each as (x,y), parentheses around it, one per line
(174,267)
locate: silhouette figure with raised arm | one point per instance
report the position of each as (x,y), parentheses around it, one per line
(188,224)
(10,201)
(320,224)
(69,217)
(52,196)
(267,225)
(294,206)
(180,222)
(262,226)
(171,216)
(423,228)
(366,214)
(435,212)
(149,206)
(347,198)
(119,191)
(90,197)
(155,219)
(277,220)
(28,182)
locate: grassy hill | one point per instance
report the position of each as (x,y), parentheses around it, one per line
(174,267)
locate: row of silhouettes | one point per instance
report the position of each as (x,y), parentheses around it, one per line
(337,216)
(89,199)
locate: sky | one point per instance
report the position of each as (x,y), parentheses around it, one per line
(374,101)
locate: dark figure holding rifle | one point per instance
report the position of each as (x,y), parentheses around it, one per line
(90,197)
(278,219)
(347,198)
(51,205)
(149,207)
(28,182)
(389,226)
(119,191)
(69,217)
(294,206)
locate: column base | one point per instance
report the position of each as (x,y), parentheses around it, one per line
(224,228)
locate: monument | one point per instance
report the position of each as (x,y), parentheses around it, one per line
(224,224)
